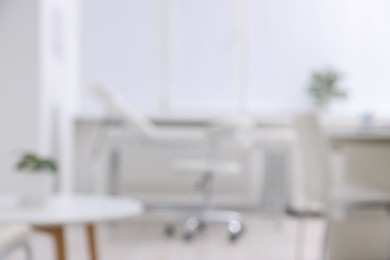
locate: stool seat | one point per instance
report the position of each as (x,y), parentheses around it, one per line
(196,166)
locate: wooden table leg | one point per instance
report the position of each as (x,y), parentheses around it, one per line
(92,241)
(58,234)
(59,238)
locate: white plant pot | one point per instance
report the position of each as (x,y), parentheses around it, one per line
(34,188)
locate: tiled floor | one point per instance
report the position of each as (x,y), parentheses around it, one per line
(143,239)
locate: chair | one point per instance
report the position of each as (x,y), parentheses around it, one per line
(230,134)
(219,134)
(14,238)
(324,183)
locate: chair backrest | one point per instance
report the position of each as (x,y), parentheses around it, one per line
(235,131)
(116,106)
(315,156)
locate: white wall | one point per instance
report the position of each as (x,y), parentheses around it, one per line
(204,45)
(18,82)
(236,55)
(38,82)
(121,46)
(59,85)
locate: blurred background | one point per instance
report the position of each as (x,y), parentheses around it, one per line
(233,129)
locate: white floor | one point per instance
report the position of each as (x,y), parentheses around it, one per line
(143,239)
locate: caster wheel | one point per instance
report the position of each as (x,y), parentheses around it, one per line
(202,226)
(235,231)
(170,230)
(234,237)
(188,236)
(190,227)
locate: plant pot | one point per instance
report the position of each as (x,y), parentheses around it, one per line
(34,187)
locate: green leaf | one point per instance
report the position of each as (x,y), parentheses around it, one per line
(324,87)
(34,163)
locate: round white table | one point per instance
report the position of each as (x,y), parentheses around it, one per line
(60,211)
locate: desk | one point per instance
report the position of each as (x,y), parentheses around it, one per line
(367,154)
(60,211)
(356,134)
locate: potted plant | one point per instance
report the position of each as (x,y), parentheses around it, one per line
(324,88)
(35,178)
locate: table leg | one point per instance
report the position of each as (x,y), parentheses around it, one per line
(92,241)
(58,234)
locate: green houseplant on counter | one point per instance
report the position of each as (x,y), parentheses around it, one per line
(35,178)
(324,88)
